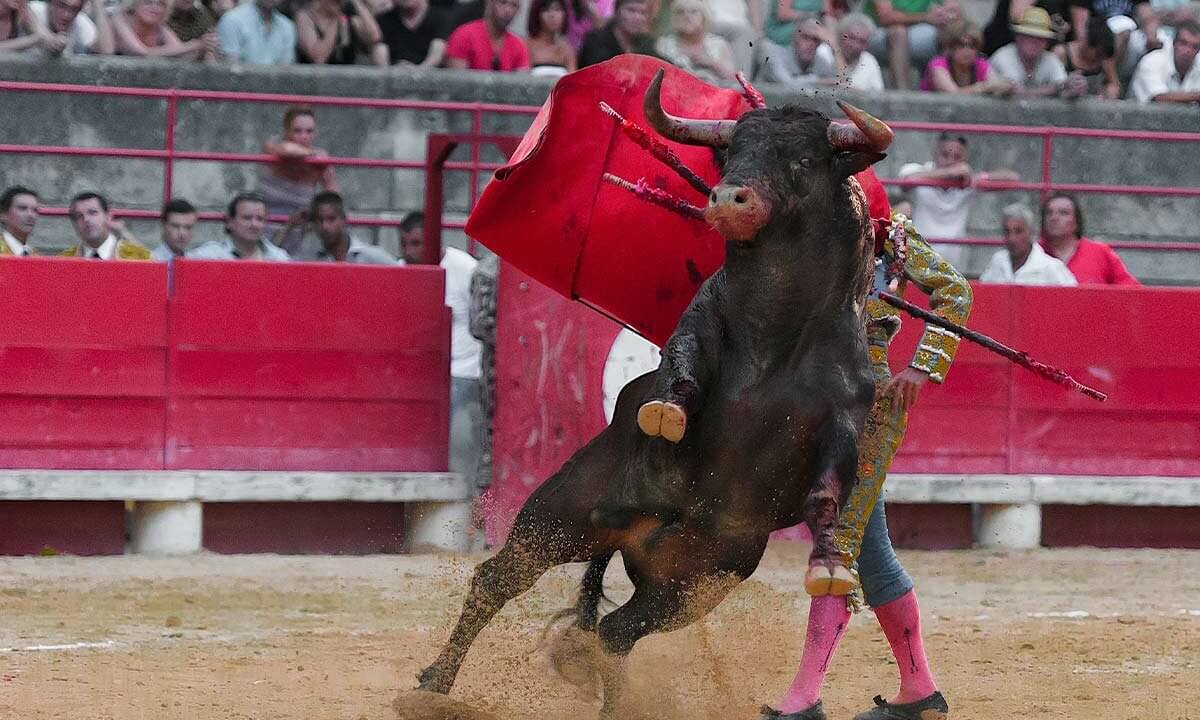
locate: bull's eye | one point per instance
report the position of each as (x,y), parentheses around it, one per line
(801,164)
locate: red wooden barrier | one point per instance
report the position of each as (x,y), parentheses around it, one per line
(308,367)
(1140,345)
(82,352)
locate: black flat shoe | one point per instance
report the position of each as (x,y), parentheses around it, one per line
(816,712)
(933,707)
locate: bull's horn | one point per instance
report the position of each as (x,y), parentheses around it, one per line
(867,132)
(714,133)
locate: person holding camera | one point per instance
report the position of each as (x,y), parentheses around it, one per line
(331,32)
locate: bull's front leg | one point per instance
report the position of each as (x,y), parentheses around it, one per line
(686,367)
(827,574)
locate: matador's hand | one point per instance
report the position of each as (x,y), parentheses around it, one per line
(904,388)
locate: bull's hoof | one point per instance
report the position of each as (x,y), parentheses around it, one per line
(433,680)
(574,655)
(662,419)
(829,579)
(818,581)
(842,582)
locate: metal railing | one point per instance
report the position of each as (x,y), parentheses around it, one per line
(169,154)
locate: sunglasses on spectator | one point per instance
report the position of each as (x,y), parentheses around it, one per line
(966,42)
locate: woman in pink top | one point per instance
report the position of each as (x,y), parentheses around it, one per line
(583,16)
(961,68)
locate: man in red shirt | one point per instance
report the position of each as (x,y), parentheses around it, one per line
(1091,263)
(487,44)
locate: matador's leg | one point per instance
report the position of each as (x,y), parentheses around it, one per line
(882,434)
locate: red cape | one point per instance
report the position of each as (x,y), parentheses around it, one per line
(550,214)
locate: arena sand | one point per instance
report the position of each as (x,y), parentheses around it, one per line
(1078,634)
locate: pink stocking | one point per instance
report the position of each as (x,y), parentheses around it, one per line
(828,617)
(901,623)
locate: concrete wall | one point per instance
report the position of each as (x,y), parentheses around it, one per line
(121,122)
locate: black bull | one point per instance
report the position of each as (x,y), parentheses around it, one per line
(762,393)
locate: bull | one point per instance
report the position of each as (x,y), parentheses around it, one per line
(751,422)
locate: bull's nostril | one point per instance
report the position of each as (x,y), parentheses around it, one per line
(740,198)
(712,197)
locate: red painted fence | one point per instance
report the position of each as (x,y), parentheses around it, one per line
(254,366)
(1140,345)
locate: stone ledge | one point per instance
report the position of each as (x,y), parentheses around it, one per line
(233,486)
(1044,490)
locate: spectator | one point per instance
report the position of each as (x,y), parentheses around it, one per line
(584,16)
(808,62)
(487,44)
(549,51)
(482,323)
(328,213)
(784,18)
(628,31)
(329,36)
(1134,25)
(245,227)
(289,183)
(19,208)
(258,34)
(465,411)
(908,33)
(178,220)
(1090,61)
(101,236)
(1171,13)
(940,213)
(191,19)
(692,47)
(856,67)
(415,33)
(1027,63)
(141,31)
(998,32)
(1024,262)
(961,68)
(1091,263)
(67,30)
(18,28)
(740,22)
(1171,75)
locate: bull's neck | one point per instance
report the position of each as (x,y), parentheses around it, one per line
(778,286)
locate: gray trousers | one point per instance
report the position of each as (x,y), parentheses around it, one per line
(466,427)
(882,576)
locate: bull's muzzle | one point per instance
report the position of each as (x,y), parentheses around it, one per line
(738,212)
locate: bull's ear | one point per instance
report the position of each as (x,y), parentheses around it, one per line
(852,162)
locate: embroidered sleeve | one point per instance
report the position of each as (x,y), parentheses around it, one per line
(949,297)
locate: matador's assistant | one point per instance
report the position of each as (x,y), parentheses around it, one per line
(862,534)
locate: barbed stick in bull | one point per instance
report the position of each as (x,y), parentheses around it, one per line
(898,235)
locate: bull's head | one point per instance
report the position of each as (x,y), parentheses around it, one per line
(780,161)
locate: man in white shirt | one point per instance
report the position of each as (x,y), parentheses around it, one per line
(858,67)
(178,220)
(19,208)
(328,213)
(808,62)
(245,239)
(70,31)
(466,413)
(101,236)
(940,213)
(1172,73)
(1024,262)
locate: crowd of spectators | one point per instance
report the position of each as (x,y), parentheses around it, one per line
(1141,49)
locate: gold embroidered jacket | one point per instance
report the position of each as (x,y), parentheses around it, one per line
(949,298)
(126,250)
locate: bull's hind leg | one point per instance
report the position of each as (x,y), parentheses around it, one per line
(679,579)
(511,572)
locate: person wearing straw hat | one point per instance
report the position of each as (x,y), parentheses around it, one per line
(1027,61)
